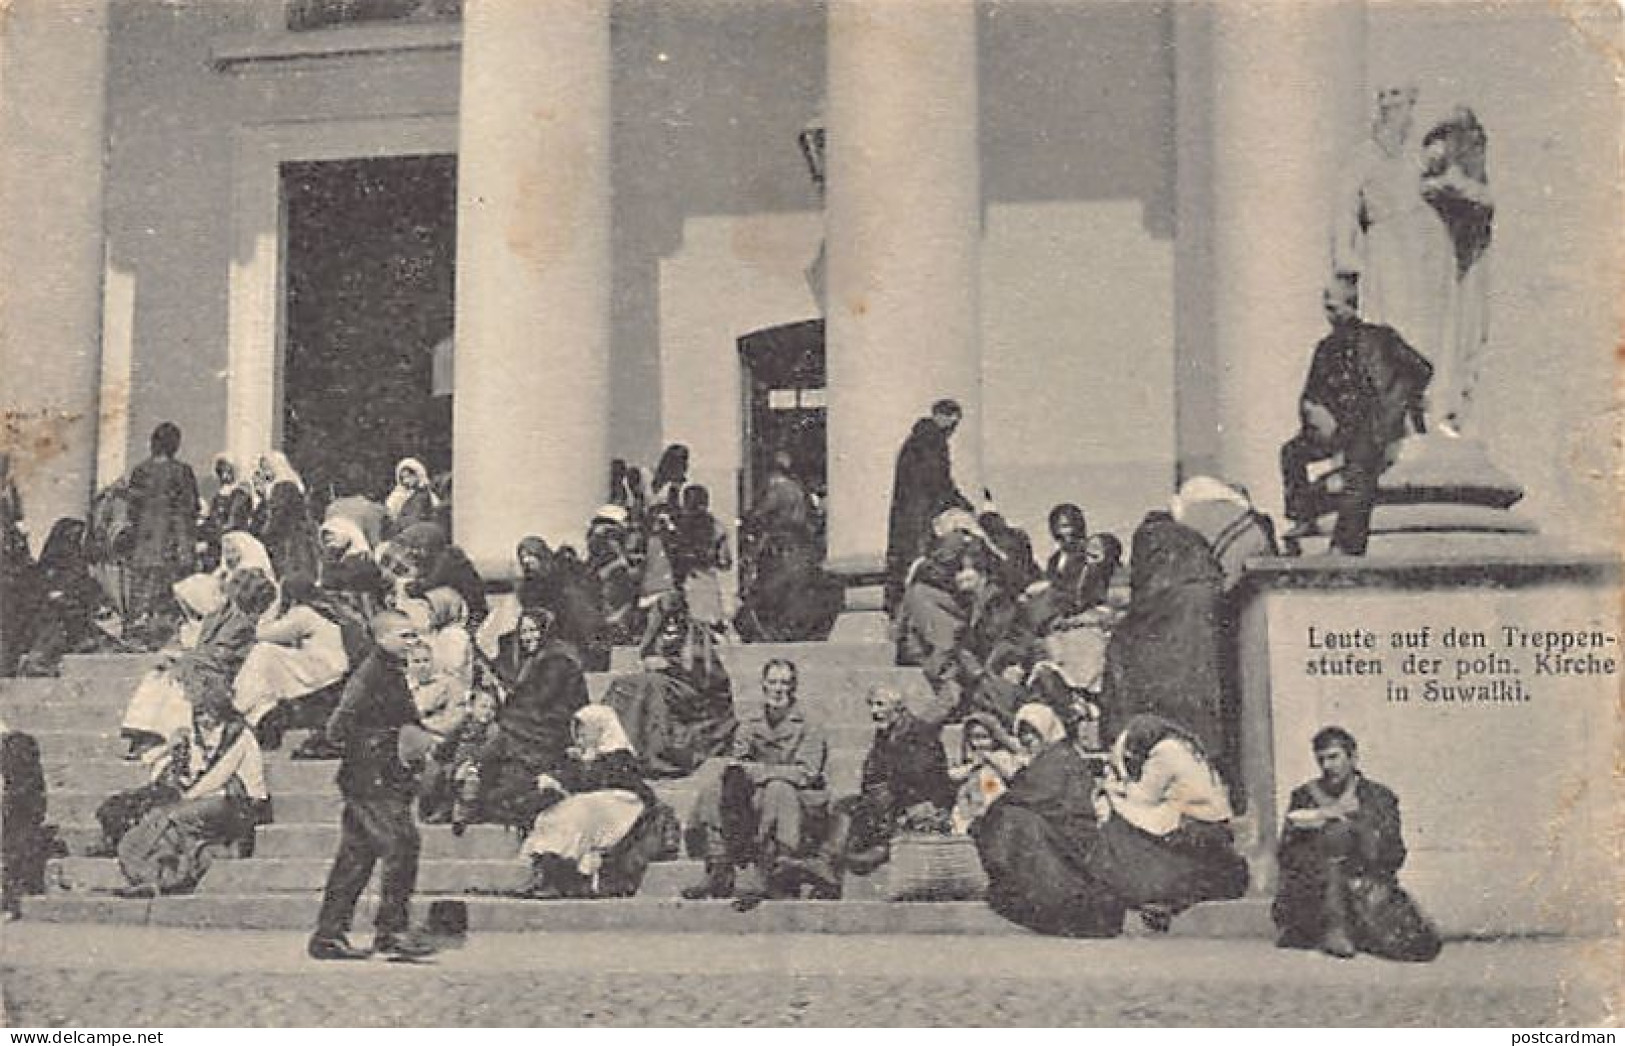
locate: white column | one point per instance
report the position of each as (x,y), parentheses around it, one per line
(533,270)
(1288,108)
(904,232)
(53,72)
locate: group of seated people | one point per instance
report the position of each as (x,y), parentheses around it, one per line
(1037,669)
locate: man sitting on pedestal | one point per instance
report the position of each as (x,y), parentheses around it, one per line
(1340,854)
(1364,382)
(752,805)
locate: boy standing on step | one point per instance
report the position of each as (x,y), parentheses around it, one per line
(378,790)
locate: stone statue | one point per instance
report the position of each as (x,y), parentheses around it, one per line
(1387,237)
(1455,182)
(1413,229)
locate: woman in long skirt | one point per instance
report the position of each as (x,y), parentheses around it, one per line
(605,796)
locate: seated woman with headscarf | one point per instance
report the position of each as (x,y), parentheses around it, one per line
(610,563)
(162,704)
(598,797)
(545,688)
(413,500)
(1166,842)
(448,638)
(282,518)
(566,588)
(988,758)
(65,616)
(209,788)
(679,710)
(1035,841)
(1165,655)
(202,594)
(231,508)
(298,653)
(425,560)
(349,573)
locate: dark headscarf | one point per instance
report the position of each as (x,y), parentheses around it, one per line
(1095,582)
(1168,554)
(423,542)
(64,551)
(1143,733)
(673,467)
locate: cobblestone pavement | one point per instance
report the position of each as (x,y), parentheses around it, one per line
(141,977)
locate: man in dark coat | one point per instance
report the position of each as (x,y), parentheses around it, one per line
(1364,382)
(378,789)
(922,487)
(1342,833)
(163,510)
(904,782)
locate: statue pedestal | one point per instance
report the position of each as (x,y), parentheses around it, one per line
(1444,498)
(1500,746)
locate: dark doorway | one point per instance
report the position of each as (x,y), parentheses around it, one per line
(784,405)
(371,269)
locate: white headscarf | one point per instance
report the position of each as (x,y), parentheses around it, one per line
(275,465)
(1043,719)
(355,540)
(1199,489)
(251,555)
(600,732)
(400,495)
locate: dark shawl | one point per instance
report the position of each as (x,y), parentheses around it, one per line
(71,594)
(535,720)
(1034,842)
(674,719)
(441,564)
(287,531)
(1165,656)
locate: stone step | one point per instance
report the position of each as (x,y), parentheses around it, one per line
(81,746)
(108,666)
(292,911)
(267,875)
(1248,918)
(835,692)
(478,842)
(744,661)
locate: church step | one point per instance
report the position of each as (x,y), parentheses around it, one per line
(108,666)
(744,661)
(835,693)
(651,915)
(1248,918)
(436,875)
(88,760)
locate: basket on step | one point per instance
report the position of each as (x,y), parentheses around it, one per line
(927,866)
